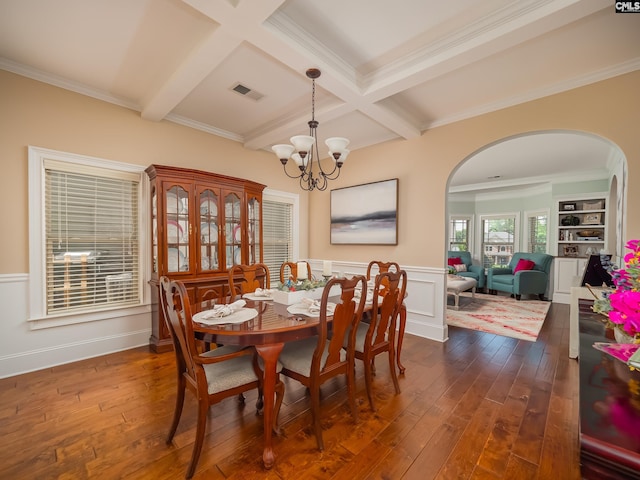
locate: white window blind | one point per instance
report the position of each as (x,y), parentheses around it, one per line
(91,238)
(277,235)
(537,241)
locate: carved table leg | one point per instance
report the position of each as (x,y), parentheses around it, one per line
(269,354)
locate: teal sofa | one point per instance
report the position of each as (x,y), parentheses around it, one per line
(473,271)
(523,282)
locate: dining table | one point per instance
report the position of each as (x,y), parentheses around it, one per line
(268,331)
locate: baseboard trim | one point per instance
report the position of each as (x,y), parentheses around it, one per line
(33,360)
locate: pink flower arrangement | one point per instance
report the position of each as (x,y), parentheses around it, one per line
(622,306)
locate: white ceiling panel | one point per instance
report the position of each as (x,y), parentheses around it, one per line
(389,70)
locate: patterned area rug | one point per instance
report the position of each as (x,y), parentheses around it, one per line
(500,315)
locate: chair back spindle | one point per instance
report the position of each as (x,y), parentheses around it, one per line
(292,268)
(382,267)
(247,278)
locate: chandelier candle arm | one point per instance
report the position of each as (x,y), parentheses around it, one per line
(304,150)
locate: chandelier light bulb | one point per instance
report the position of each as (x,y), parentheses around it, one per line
(337,144)
(340,157)
(283,152)
(303,143)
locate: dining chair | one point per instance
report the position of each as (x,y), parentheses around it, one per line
(293,271)
(313,361)
(378,336)
(212,376)
(246,278)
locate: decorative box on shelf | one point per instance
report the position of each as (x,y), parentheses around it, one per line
(289,298)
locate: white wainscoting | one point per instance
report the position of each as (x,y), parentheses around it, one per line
(23,349)
(426,296)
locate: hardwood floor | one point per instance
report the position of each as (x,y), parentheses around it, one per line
(479,406)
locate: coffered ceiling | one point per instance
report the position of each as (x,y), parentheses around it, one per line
(390,69)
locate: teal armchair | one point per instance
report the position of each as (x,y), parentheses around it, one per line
(473,271)
(522,282)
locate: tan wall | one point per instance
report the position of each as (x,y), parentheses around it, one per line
(423,166)
(34,113)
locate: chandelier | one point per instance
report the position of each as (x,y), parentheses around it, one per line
(304,151)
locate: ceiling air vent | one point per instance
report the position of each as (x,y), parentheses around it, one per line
(246,92)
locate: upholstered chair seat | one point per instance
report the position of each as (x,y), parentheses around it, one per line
(298,355)
(231,373)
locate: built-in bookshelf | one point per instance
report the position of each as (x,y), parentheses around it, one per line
(581,226)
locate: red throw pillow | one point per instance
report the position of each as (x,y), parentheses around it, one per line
(524,264)
(454,261)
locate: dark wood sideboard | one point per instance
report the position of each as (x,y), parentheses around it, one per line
(609,409)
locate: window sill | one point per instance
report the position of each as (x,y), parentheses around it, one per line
(84,317)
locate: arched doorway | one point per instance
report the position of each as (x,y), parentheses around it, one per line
(526,173)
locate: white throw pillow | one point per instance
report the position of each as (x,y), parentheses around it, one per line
(460,268)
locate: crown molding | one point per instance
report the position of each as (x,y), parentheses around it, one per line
(576,82)
(61,82)
(204,127)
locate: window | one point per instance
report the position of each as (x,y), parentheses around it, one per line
(86,234)
(279,230)
(459,234)
(498,239)
(536,234)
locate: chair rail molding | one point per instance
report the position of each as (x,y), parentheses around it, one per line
(24,350)
(425,301)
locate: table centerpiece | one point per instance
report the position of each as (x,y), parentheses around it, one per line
(291,292)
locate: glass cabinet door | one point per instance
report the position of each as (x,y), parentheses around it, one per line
(208,230)
(253,223)
(177,229)
(232,230)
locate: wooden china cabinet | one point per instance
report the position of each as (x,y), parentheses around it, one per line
(202,224)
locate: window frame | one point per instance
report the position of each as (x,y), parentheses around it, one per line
(293,199)
(494,216)
(37,316)
(526,230)
(470,232)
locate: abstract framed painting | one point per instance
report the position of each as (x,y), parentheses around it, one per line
(365,214)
